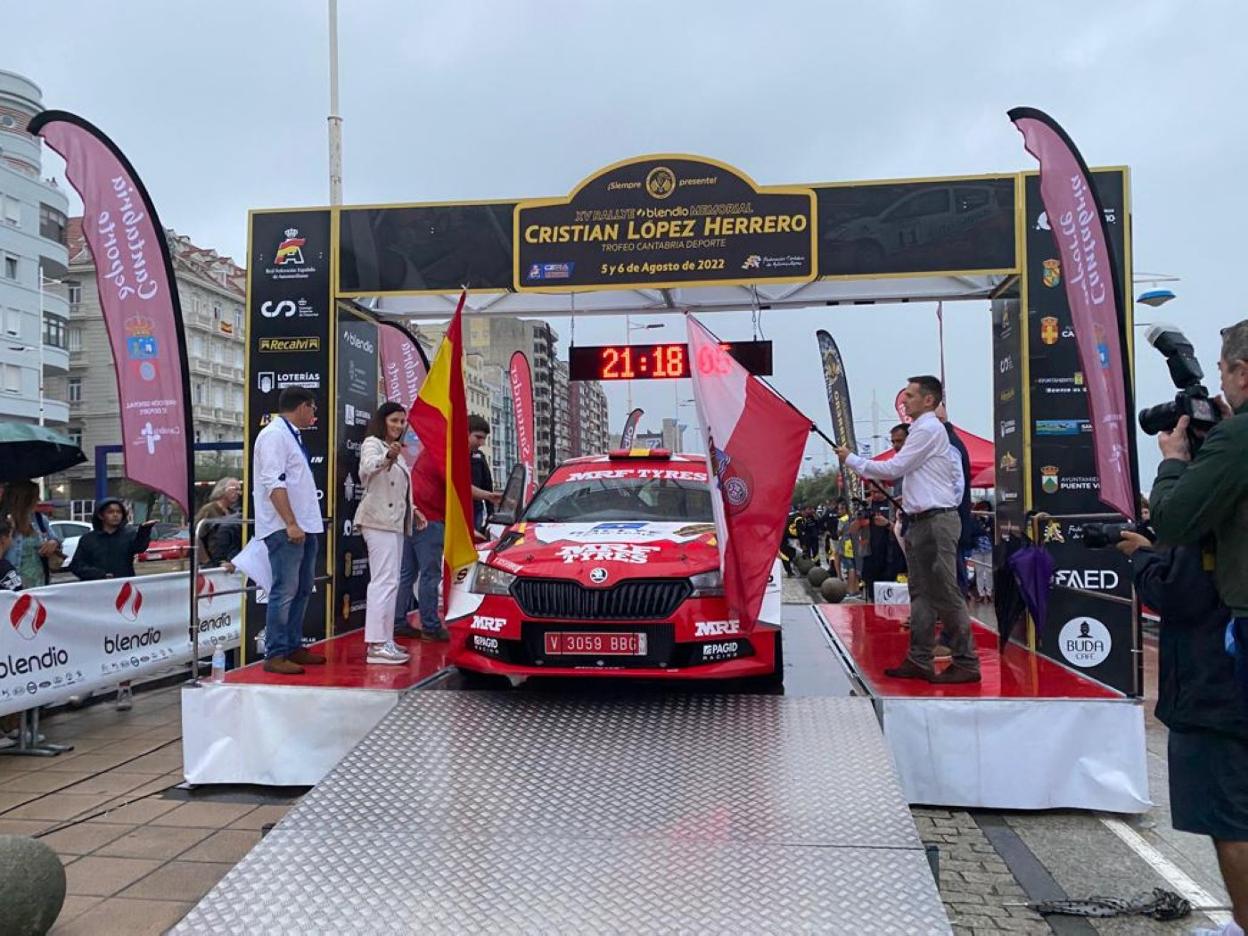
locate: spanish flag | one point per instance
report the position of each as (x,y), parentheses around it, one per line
(440,419)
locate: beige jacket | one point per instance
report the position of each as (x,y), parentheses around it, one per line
(387,500)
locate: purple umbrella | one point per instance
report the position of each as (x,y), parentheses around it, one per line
(1033,569)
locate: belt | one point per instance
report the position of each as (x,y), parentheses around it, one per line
(933,512)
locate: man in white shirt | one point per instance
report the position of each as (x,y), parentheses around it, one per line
(288,519)
(930,497)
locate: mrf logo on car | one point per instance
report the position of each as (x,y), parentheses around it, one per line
(28,617)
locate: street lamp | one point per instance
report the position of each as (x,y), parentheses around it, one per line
(629,328)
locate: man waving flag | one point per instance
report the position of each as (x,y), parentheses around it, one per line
(754,441)
(440,419)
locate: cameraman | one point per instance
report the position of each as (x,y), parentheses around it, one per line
(1199,701)
(1208,495)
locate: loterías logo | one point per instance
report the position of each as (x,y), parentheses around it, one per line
(129,602)
(28,615)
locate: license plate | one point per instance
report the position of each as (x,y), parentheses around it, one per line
(594,643)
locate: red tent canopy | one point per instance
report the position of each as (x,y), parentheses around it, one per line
(981,454)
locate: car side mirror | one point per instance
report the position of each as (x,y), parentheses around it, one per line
(502,518)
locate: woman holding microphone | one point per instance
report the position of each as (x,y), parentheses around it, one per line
(385,516)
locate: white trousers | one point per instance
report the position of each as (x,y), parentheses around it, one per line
(384,551)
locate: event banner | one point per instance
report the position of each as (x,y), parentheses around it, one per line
(1078,223)
(837,384)
(139,301)
(665,221)
(1008,390)
(403,369)
(1094,636)
(1064,475)
(69,639)
(521,377)
(289,309)
(357,376)
(630,428)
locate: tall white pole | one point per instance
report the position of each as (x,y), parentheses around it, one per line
(335,120)
(628,339)
(42,483)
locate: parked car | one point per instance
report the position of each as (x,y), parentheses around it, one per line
(68,532)
(169,542)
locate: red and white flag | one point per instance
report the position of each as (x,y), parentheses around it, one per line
(754,441)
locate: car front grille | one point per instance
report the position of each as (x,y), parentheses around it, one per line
(628,601)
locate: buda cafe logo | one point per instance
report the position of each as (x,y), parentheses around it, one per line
(27,617)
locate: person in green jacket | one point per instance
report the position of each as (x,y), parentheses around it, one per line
(1207,496)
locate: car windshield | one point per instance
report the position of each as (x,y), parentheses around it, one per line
(622,499)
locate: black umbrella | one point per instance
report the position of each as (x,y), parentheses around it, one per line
(28,451)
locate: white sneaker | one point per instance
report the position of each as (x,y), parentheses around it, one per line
(386,653)
(397,649)
(125,699)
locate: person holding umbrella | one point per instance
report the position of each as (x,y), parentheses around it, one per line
(34,544)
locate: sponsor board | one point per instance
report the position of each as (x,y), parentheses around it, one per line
(1085,642)
(64,640)
(656,474)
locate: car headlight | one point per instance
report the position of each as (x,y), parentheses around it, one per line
(487,580)
(708,584)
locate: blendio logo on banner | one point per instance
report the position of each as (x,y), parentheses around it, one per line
(1092,636)
(288,321)
(69,639)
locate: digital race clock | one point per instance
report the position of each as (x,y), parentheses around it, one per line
(656,361)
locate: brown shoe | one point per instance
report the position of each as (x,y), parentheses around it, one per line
(283,666)
(908,669)
(941,652)
(307,657)
(957,674)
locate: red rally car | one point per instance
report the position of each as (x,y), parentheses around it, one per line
(612,569)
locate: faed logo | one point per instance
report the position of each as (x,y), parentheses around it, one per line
(716,628)
(489,624)
(27,616)
(1087,579)
(1085,642)
(290,250)
(129,602)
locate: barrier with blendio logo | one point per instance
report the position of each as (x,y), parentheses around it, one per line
(66,640)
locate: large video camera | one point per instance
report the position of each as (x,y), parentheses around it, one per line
(1193,398)
(1104,535)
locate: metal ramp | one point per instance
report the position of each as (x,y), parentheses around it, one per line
(466,812)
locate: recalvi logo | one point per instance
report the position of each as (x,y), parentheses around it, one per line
(36,662)
(300,343)
(124,643)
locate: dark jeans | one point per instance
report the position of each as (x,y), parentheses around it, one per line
(294,569)
(932,551)
(421,558)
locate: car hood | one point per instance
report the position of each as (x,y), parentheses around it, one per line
(602,554)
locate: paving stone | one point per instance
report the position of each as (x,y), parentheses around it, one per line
(160,842)
(131,917)
(83,838)
(95,876)
(179,880)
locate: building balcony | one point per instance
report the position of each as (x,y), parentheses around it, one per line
(200,411)
(55,359)
(55,411)
(201,366)
(227,372)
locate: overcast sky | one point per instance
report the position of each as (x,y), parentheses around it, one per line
(221,107)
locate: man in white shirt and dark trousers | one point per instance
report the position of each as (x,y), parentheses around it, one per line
(288,519)
(930,497)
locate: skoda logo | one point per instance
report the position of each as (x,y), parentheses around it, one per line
(598,575)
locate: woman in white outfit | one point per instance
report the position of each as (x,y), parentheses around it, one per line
(385,516)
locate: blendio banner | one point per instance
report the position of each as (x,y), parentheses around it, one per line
(139,300)
(288,345)
(357,401)
(665,221)
(403,370)
(630,428)
(65,640)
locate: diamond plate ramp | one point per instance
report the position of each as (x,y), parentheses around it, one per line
(513,812)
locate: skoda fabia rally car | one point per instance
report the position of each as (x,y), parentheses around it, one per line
(613,569)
